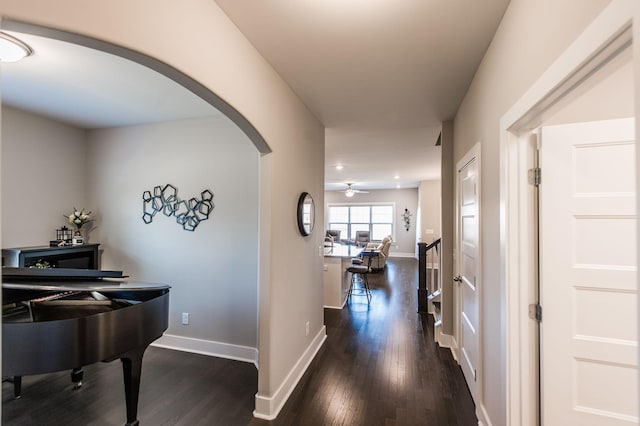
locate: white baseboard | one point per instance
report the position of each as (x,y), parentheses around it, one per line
(454,349)
(445,340)
(336,307)
(208,347)
(332,307)
(483,417)
(344,302)
(268,407)
(449,341)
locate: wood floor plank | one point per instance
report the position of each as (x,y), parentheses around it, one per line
(378,366)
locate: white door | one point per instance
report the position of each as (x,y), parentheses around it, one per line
(468,265)
(588,274)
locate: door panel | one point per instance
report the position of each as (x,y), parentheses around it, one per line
(588,289)
(467,268)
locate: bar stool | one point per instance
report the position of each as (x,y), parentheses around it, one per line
(359,274)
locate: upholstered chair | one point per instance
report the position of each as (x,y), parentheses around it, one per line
(362,238)
(378,252)
(334,234)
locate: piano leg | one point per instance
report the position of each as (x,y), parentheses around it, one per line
(17,386)
(131,370)
(76,377)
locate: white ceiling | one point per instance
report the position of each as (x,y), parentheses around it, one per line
(92,89)
(380,74)
(373,159)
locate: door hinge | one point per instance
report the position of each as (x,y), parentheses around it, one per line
(535,176)
(535,312)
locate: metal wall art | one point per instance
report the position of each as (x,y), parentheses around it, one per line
(407,219)
(188,213)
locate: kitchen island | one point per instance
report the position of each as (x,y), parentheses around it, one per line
(337,258)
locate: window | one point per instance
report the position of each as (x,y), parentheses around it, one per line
(377,219)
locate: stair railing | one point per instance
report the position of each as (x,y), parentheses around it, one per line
(429,277)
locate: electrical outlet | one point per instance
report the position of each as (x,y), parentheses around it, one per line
(185,318)
(306,328)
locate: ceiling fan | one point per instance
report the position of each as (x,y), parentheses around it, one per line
(350,192)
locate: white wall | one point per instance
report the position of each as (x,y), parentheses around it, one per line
(531,35)
(43,177)
(404,242)
(429,199)
(447,219)
(212,270)
(232,69)
(607,95)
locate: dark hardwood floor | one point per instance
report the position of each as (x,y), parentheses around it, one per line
(379,366)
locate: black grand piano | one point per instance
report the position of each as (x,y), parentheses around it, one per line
(62,319)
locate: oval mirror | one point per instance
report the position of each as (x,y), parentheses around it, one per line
(306,214)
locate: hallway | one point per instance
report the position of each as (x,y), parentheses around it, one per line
(379,366)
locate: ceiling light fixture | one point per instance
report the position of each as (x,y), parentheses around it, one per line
(350,191)
(12,49)
(396,177)
(339,167)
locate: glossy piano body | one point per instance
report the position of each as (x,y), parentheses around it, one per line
(40,335)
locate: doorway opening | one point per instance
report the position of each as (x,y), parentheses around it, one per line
(259,184)
(572,90)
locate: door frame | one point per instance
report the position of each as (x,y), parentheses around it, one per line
(473,153)
(612,31)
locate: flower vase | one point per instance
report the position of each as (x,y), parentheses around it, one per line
(78,237)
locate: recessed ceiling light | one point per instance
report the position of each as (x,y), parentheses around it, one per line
(12,49)
(339,167)
(396,177)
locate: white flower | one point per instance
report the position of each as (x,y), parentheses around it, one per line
(79,218)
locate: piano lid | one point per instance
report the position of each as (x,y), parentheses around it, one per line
(101,285)
(9,272)
(56,279)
